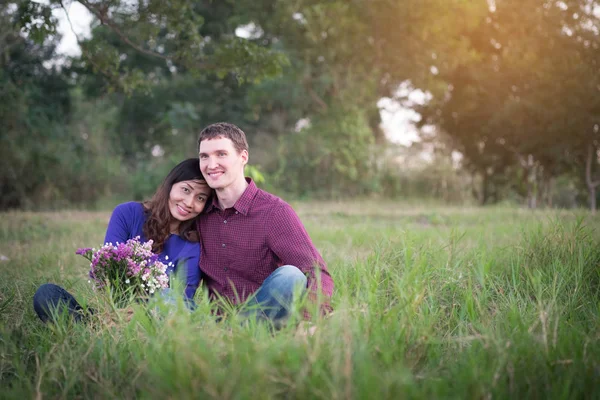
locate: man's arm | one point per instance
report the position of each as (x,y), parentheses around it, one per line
(290,241)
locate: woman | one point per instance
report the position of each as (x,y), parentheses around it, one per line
(169,219)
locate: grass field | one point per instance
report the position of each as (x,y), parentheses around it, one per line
(430,302)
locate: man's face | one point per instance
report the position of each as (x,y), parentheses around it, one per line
(220,162)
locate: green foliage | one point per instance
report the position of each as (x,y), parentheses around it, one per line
(36,20)
(36,105)
(507,91)
(334,152)
(178,33)
(243,59)
(254,173)
(149,174)
(513,88)
(418,179)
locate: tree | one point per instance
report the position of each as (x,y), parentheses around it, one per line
(527,93)
(35,103)
(174,32)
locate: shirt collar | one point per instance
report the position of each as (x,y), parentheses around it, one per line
(242,205)
(214,204)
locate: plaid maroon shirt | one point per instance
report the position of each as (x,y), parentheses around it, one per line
(243,245)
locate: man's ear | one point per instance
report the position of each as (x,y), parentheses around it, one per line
(244,155)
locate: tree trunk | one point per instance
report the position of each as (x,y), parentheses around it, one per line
(474,189)
(485,187)
(533,201)
(531,182)
(588,177)
(525,184)
(549,191)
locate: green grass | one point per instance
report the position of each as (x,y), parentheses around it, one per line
(430,302)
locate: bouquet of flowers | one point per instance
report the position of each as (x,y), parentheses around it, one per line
(127,269)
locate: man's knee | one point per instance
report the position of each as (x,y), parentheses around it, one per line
(292,276)
(279,291)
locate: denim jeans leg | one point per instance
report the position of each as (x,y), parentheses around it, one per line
(171,298)
(50,298)
(275,296)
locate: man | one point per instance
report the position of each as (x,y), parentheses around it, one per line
(253,243)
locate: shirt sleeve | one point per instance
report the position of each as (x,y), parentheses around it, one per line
(119,226)
(290,241)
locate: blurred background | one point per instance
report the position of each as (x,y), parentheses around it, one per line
(453,101)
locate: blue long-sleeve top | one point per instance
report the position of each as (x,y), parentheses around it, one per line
(127,221)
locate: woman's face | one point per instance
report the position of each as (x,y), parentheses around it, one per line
(187,199)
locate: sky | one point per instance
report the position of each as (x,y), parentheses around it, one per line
(80,19)
(396,119)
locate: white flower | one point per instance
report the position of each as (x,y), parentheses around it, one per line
(166,257)
(127,281)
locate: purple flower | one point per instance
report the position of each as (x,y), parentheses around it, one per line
(132,261)
(83,250)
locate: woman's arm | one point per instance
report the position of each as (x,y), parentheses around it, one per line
(120,225)
(192,272)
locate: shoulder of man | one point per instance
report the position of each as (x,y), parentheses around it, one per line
(273,202)
(275,209)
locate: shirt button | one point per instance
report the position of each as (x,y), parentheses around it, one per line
(225,269)
(223,244)
(236,212)
(225,221)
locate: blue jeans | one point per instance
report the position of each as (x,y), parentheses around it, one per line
(51,298)
(274,298)
(272,301)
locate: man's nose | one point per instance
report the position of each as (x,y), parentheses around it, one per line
(212,162)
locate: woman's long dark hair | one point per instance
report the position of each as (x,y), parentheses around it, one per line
(158,215)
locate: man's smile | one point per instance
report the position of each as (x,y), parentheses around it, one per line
(215,174)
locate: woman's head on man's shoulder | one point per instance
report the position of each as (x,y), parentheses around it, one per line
(176,204)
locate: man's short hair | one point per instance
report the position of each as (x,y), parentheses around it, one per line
(227,131)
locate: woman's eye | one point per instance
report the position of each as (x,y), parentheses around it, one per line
(185,190)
